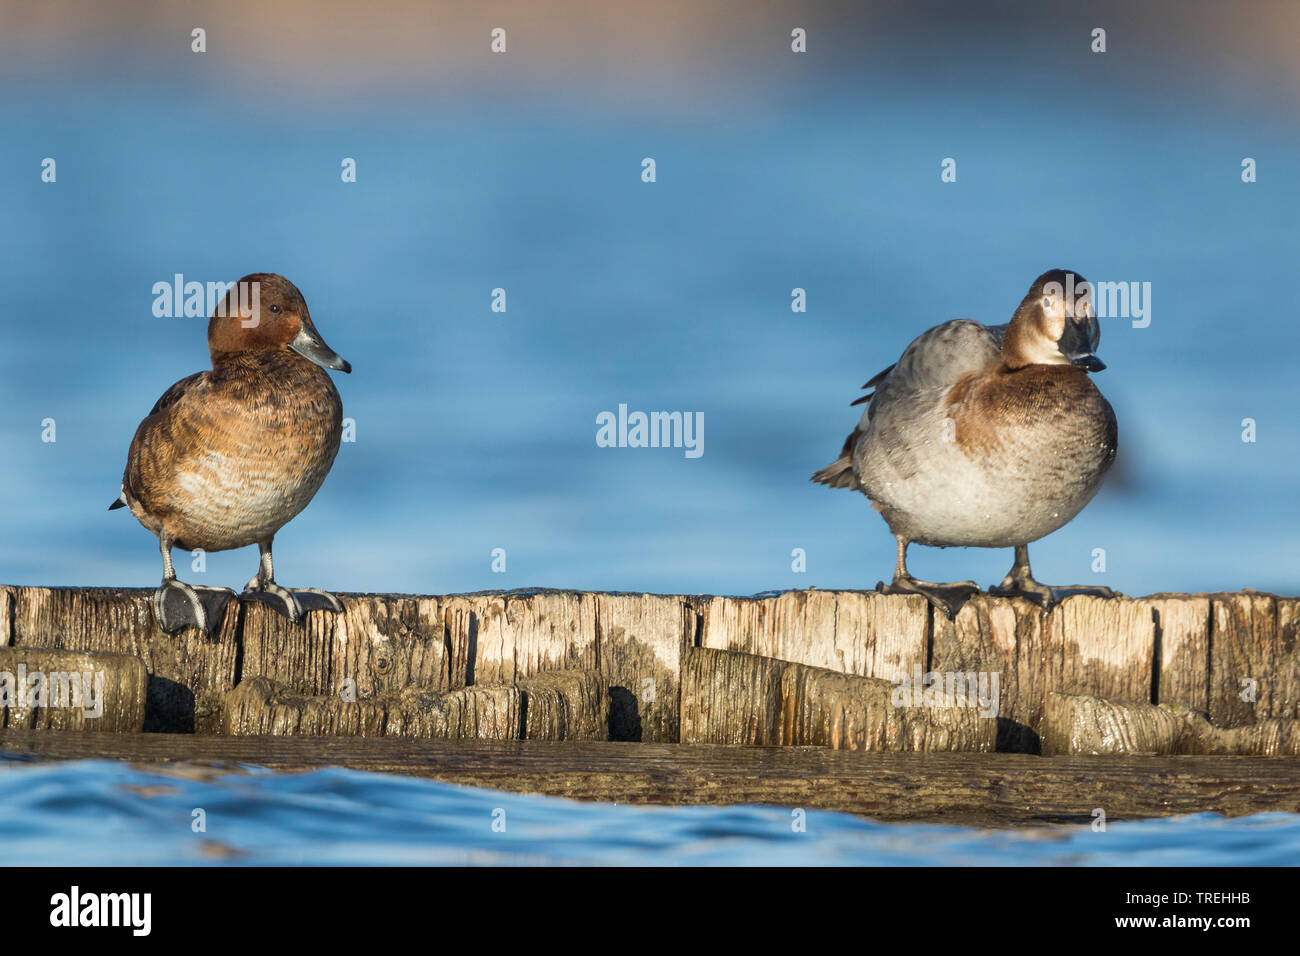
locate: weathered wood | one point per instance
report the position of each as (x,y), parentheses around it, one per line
(479,712)
(1006,637)
(730,698)
(46,689)
(258,706)
(1101,646)
(641,639)
(1268,737)
(973,789)
(6,615)
(734,698)
(1082,724)
(635,640)
(1182,634)
(1122,648)
(1205,652)
(565,705)
(1254,659)
(855,632)
(501,638)
(188,672)
(380,645)
(556,705)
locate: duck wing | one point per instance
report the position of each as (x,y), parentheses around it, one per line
(872,383)
(153,452)
(936,358)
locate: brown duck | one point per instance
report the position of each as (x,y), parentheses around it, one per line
(228,457)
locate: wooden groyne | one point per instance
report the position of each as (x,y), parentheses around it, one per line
(838,699)
(1205,673)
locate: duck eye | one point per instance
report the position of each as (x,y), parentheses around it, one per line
(275,309)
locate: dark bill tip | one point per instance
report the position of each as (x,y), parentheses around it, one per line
(312,347)
(1088,362)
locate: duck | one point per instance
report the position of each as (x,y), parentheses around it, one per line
(986,436)
(228,456)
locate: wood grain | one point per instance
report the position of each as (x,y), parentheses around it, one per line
(1231,656)
(46,689)
(734,698)
(974,789)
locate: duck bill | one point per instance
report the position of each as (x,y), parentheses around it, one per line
(1087,361)
(312,347)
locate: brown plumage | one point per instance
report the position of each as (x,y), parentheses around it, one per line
(985,409)
(228,456)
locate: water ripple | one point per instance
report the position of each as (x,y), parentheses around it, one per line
(109,813)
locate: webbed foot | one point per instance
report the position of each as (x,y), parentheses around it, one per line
(1020,582)
(280,599)
(1048,597)
(947,598)
(294,603)
(314,599)
(177,605)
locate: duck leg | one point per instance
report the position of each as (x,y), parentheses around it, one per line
(293,604)
(177,605)
(948,598)
(1020,582)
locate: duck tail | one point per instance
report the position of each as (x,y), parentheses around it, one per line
(119,503)
(839,473)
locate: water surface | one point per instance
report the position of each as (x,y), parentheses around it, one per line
(111,813)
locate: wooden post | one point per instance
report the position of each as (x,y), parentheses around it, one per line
(1233,657)
(46,689)
(730,697)
(188,672)
(1080,724)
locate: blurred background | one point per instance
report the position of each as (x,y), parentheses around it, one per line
(475,429)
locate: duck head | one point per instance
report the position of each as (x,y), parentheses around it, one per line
(264,312)
(1054,325)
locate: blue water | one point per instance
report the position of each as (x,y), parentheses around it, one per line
(110,813)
